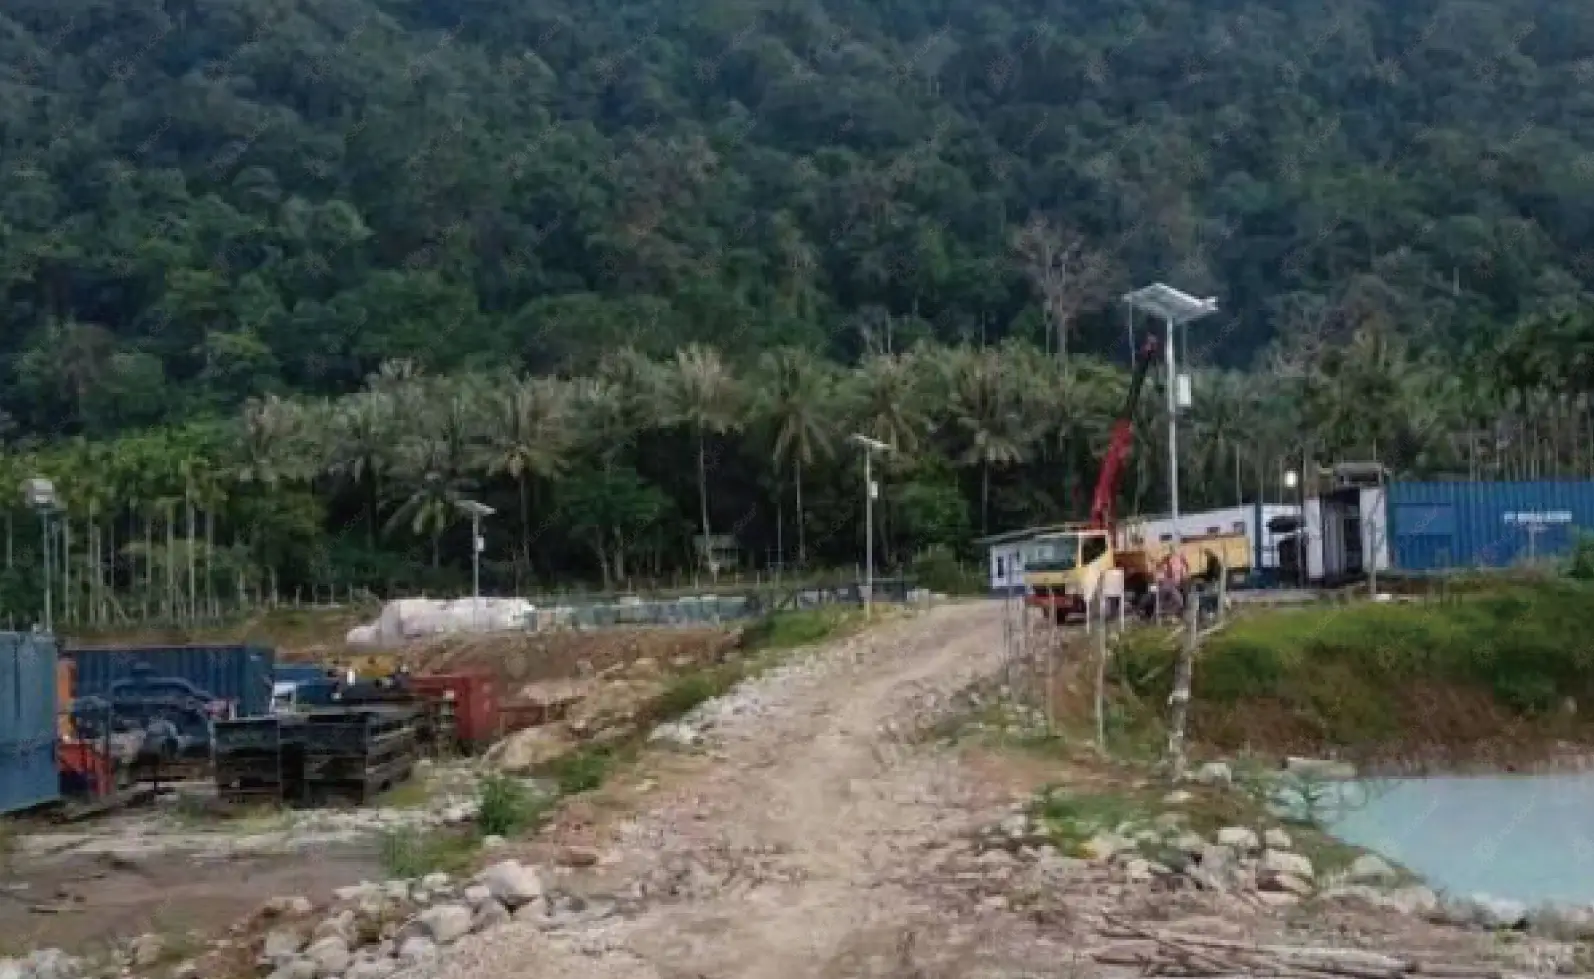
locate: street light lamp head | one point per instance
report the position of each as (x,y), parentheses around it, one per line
(39,493)
(476,508)
(873,445)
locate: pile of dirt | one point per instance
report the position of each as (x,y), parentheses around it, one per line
(523,658)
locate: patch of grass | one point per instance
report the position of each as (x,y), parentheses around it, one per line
(505,806)
(1344,670)
(691,689)
(584,769)
(412,853)
(413,793)
(790,630)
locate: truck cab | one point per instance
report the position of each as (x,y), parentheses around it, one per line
(1063,569)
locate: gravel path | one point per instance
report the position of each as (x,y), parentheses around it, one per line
(803,850)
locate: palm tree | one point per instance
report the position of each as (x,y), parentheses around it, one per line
(433,468)
(530,438)
(887,400)
(794,407)
(700,393)
(362,433)
(985,409)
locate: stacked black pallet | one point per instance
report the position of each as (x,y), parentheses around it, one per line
(259,760)
(353,753)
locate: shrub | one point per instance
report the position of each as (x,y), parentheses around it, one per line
(505,806)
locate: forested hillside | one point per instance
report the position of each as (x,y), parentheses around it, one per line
(211,202)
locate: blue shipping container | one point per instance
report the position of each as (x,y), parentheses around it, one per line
(241,675)
(27,721)
(1438,526)
(298,672)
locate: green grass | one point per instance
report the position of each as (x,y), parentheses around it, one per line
(790,630)
(414,853)
(505,806)
(1524,646)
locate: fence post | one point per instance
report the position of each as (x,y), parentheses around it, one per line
(1179,700)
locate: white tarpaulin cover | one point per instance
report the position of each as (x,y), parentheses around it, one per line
(406,619)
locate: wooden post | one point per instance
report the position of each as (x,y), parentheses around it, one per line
(1101,671)
(1179,700)
(1223,588)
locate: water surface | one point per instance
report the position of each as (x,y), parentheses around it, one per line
(1525,837)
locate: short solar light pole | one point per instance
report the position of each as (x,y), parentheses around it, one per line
(478,511)
(40,496)
(870,491)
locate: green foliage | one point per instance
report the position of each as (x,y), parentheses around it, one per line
(584,769)
(938,569)
(688,691)
(888,229)
(1345,669)
(415,853)
(505,806)
(790,630)
(1581,566)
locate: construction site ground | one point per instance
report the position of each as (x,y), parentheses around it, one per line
(817,831)
(181,868)
(818,823)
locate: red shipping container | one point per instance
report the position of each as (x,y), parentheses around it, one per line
(475,703)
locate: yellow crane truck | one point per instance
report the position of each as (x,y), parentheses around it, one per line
(1063,569)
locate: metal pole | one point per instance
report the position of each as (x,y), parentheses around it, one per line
(475,563)
(1173,443)
(868,533)
(44,536)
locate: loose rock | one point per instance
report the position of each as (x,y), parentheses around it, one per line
(1276,839)
(415,950)
(1242,839)
(491,914)
(282,943)
(330,955)
(512,883)
(446,922)
(1215,773)
(1369,868)
(147,950)
(1284,863)
(371,969)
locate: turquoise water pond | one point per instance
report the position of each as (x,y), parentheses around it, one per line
(1524,837)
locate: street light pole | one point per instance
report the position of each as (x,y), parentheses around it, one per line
(1176,309)
(40,496)
(870,447)
(44,537)
(869,534)
(1173,437)
(477,511)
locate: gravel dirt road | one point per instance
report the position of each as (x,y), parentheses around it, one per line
(800,848)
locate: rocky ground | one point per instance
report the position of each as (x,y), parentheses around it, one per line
(808,824)
(809,829)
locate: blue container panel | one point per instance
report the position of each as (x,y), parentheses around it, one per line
(27,722)
(1437,526)
(298,672)
(240,674)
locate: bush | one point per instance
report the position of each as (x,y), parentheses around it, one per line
(1581,567)
(505,806)
(938,569)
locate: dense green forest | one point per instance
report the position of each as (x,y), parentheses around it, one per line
(282,280)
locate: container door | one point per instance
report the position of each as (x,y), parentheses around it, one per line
(27,722)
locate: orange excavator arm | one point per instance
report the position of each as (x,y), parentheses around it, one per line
(1123,436)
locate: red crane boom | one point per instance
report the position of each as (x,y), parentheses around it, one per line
(1123,435)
